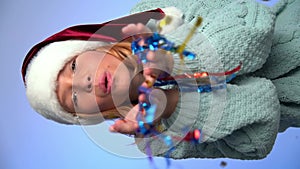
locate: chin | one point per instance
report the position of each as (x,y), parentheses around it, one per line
(120,93)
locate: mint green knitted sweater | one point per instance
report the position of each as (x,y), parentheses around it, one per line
(283,64)
(242,120)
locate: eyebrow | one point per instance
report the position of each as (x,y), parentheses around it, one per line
(66,101)
(68,92)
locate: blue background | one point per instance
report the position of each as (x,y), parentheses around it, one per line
(28,141)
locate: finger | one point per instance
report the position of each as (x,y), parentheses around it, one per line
(142,28)
(151,68)
(130,29)
(123,126)
(129,124)
(112,129)
(135,29)
(151,56)
(142,98)
(157,64)
(149,82)
(132,114)
(150,76)
(151,73)
(158,56)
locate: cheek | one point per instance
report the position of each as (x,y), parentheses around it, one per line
(87,104)
(105,103)
(92,62)
(121,83)
(95,63)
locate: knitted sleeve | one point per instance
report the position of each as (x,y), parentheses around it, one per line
(191,8)
(285,53)
(288,89)
(243,126)
(235,32)
(283,64)
(240,121)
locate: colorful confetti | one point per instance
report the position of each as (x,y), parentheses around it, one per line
(147,111)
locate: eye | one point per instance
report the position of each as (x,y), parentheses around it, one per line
(74,98)
(73,65)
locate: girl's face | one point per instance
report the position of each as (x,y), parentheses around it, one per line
(93,82)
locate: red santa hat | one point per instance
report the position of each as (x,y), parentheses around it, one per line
(45,60)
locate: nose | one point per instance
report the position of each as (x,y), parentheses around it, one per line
(83,84)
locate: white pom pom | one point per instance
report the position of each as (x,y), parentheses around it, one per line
(172,20)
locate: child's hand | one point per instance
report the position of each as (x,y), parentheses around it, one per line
(159,64)
(136,30)
(128,125)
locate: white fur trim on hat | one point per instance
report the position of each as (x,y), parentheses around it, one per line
(41,77)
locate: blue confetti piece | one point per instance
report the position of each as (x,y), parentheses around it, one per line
(228,79)
(145,105)
(154,43)
(189,55)
(168,140)
(142,128)
(142,56)
(206,88)
(150,114)
(145,90)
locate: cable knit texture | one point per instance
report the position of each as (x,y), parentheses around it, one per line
(289,117)
(283,64)
(239,32)
(195,7)
(247,129)
(285,54)
(279,6)
(288,88)
(245,124)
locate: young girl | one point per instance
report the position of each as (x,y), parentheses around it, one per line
(85,74)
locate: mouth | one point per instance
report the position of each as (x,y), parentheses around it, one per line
(105,82)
